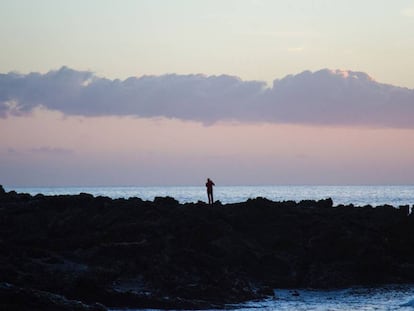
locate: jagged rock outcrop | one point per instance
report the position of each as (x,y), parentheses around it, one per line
(163,254)
(13,298)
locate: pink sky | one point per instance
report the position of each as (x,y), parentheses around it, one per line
(47,148)
(171,92)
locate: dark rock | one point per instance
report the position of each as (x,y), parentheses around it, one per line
(20,299)
(192,255)
(405,210)
(166,202)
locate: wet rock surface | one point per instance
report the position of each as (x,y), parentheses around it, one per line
(81,252)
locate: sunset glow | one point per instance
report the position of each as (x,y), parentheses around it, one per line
(250,92)
(134,151)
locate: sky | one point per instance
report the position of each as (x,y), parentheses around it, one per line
(246,92)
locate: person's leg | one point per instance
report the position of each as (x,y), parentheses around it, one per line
(210,198)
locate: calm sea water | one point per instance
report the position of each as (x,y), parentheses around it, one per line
(357,195)
(385,298)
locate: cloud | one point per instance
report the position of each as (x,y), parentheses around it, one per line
(51,150)
(408,12)
(37,151)
(331,97)
(296,49)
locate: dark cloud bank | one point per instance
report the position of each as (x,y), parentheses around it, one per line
(323,97)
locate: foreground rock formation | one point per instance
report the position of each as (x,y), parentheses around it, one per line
(89,253)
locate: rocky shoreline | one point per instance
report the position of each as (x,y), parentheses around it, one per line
(80,252)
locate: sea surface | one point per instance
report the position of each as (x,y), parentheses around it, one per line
(383,298)
(357,195)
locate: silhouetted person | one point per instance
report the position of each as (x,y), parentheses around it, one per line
(209,185)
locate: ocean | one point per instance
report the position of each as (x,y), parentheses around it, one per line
(384,298)
(357,195)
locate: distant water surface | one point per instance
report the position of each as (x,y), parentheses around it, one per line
(357,195)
